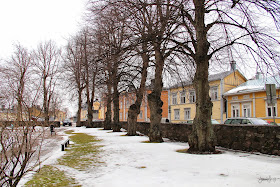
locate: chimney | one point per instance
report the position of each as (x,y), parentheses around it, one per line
(232,66)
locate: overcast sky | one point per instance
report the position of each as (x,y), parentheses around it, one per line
(32,21)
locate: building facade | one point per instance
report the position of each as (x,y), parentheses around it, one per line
(182,97)
(250,100)
(97,111)
(128,98)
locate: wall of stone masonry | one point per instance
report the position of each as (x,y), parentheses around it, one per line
(263,139)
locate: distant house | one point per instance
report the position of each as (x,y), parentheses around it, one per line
(128,98)
(182,96)
(249,99)
(97,113)
(58,115)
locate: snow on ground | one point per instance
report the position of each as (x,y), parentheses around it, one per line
(129,162)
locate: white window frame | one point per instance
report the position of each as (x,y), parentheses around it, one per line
(187,113)
(246,111)
(270,107)
(174,98)
(234,109)
(176,114)
(183,96)
(192,97)
(214,93)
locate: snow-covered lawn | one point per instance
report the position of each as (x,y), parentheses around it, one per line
(130,162)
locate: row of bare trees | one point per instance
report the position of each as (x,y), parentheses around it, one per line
(138,39)
(28,83)
(127,42)
(29,79)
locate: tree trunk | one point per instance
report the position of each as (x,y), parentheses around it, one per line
(79,108)
(108,117)
(45,103)
(107,122)
(116,123)
(90,112)
(154,98)
(132,120)
(202,139)
(19,109)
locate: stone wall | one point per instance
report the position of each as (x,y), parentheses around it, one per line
(263,139)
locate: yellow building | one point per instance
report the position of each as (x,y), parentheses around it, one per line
(97,112)
(182,97)
(58,116)
(250,100)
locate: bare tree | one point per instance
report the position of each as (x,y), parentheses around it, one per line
(20,152)
(113,36)
(17,74)
(74,71)
(139,43)
(215,29)
(161,18)
(90,63)
(47,59)
(20,144)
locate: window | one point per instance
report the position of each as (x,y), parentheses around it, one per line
(235,111)
(176,114)
(120,115)
(271,110)
(246,97)
(121,104)
(235,98)
(174,98)
(192,97)
(187,113)
(225,106)
(127,103)
(246,110)
(141,114)
(214,93)
(183,97)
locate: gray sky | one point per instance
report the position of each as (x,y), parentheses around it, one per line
(32,21)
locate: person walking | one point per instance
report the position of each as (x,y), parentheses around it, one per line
(52,129)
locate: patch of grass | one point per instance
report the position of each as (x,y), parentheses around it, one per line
(141,167)
(149,142)
(182,150)
(83,153)
(69,132)
(50,176)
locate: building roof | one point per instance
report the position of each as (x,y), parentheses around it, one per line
(214,77)
(255,85)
